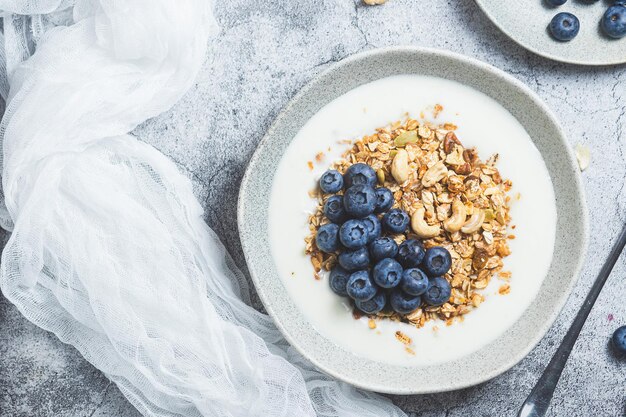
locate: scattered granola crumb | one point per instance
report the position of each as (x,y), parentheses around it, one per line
(435,328)
(583,155)
(409,350)
(438,109)
(504,274)
(319,157)
(403,338)
(504,289)
(310,164)
(374,2)
(371,323)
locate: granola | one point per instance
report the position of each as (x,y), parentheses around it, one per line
(463,199)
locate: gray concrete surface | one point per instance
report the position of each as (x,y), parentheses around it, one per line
(264,53)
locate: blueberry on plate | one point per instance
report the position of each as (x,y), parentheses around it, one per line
(353,234)
(619,340)
(411,253)
(354,260)
(383,247)
(360,286)
(360,174)
(373,227)
(614,21)
(384,199)
(327,239)
(438,291)
(404,303)
(359,200)
(373,305)
(414,281)
(556,3)
(331,181)
(338,280)
(437,261)
(620,2)
(396,221)
(387,273)
(564,26)
(334,210)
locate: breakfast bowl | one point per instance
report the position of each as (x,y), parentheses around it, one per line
(488,110)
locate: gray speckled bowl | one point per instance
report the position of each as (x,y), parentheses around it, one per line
(527,25)
(571,237)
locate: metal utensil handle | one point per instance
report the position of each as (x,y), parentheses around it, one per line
(538,400)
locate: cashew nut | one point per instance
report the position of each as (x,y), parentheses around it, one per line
(422,229)
(474,223)
(434,174)
(457,220)
(400,166)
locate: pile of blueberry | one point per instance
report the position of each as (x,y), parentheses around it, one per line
(373,270)
(565,26)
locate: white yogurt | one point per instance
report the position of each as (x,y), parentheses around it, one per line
(482,123)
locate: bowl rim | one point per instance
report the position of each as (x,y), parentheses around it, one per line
(549,319)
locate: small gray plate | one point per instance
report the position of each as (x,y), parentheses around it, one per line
(527,22)
(571,230)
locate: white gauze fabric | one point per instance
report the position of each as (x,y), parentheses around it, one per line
(108,247)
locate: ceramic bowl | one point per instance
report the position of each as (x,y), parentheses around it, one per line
(527,25)
(571,229)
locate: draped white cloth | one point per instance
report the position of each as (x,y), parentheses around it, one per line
(108,248)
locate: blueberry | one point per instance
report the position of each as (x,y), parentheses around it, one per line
(354,260)
(404,303)
(338,280)
(414,281)
(437,261)
(556,3)
(614,21)
(373,305)
(383,247)
(373,227)
(334,210)
(619,340)
(353,234)
(384,199)
(331,181)
(327,239)
(360,286)
(387,273)
(360,174)
(359,200)
(396,221)
(564,26)
(620,2)
(411,253)
(438,291)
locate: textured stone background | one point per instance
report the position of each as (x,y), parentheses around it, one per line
(265,52)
